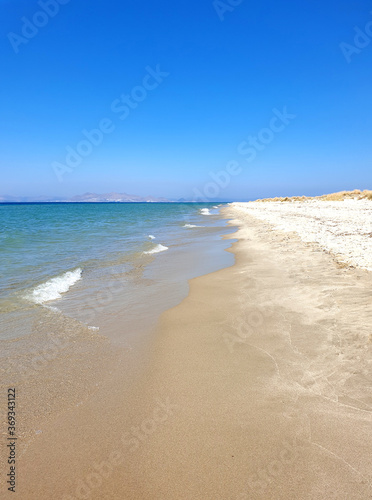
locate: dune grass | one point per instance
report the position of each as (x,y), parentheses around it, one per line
(340,196)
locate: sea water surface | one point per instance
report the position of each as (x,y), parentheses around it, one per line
(112,267)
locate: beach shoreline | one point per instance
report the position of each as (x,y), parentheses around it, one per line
(267,365)
(256,386)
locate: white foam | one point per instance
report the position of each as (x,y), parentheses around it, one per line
(151,237)
(191,225)
(157,249)
(93,328)
(205,211)
(53,288)
(53,309)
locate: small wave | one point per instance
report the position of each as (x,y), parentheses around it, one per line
(157,249)
(191,225)
(151,237)
(52,289)
(53,309)
(205,211)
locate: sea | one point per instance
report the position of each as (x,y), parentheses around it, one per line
(112,268)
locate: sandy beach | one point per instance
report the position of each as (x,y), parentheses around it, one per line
(268,364)
(256,386)
(186,251)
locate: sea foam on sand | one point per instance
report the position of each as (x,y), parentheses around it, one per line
(343,228)
(158,248)
(53,288)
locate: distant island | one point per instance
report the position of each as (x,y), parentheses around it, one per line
(86,198)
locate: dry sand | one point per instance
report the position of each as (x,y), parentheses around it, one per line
(343,228)
(256,386)
(268,364)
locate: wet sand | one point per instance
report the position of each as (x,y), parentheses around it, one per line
(268,364)
(256,386)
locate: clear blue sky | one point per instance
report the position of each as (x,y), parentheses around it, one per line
(225,78)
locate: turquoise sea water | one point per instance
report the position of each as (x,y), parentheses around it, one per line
(94,261)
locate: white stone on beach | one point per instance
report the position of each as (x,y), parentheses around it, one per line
(343,228)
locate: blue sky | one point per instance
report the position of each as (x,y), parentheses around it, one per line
(226,66)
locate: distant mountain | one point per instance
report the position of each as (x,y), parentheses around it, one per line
(84,198)
(113,197)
